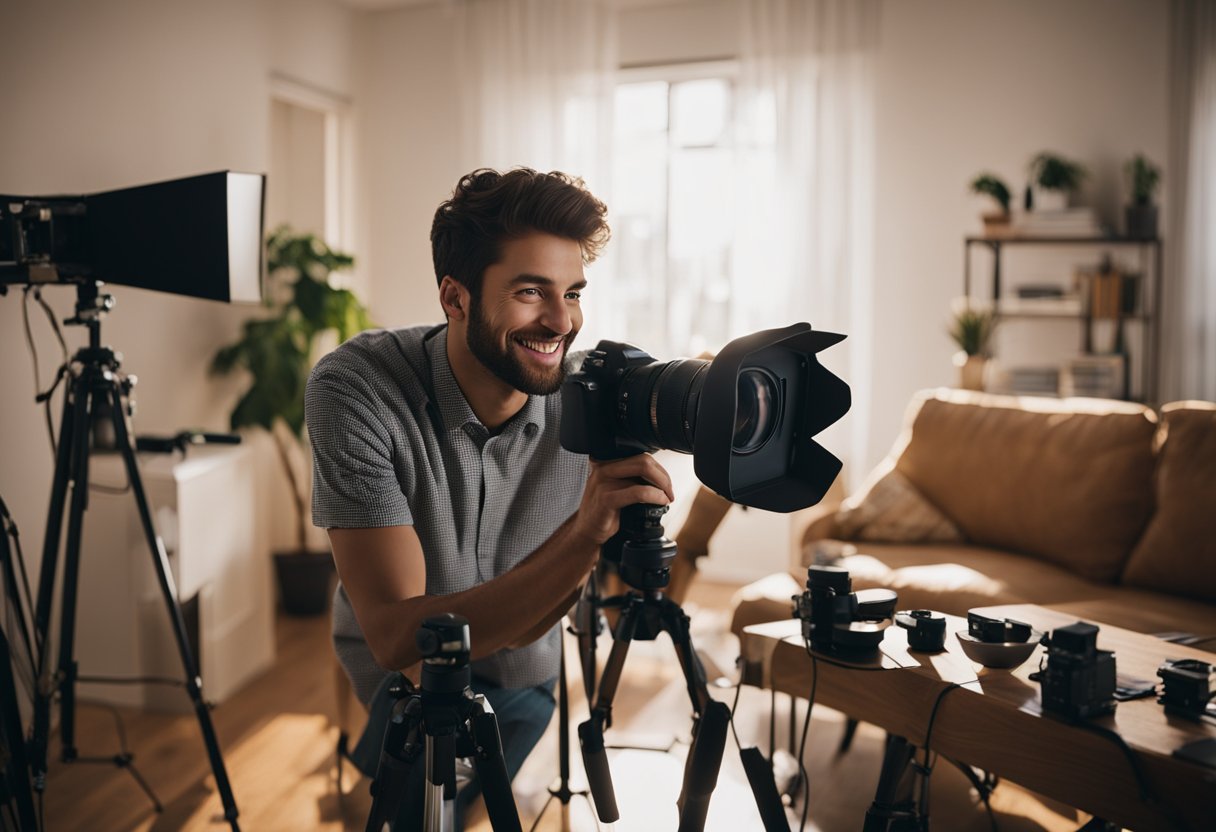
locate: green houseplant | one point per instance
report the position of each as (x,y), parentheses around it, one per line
(277,350)
(1141,214)
(1053,178)
(991,185)
(972,331)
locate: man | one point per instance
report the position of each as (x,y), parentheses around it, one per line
(438,470)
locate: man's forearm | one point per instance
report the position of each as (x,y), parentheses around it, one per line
(493,609)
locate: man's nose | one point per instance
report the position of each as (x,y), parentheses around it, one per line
(557,317)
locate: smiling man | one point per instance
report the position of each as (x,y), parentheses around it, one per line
(438,470)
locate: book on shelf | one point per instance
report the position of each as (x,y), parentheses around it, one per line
(1065,306)
(1094,376)
(1037,381)
(1070,222)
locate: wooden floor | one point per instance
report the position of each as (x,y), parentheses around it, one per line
(279,733)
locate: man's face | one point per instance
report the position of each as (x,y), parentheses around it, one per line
(527,313)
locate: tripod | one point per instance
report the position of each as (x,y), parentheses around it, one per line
(441,721)
(95,401)
(645,556)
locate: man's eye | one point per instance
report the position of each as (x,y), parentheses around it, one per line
(574,295)
(531,291)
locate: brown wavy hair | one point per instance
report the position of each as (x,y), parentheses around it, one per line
(488,208)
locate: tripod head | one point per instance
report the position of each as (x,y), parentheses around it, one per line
(641,549)
(445,645)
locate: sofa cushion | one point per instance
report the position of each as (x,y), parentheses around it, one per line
(1066,481)
(1177,553)
(954,579)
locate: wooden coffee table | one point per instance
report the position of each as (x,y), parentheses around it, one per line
(994,721)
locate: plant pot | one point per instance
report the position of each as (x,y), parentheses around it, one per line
(1141,221)
(306,581)
(1049,199)
(996,224)
(970,370)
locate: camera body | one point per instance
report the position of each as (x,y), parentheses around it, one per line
(1078,679)
(926,630)
(837,620)
(1186,687)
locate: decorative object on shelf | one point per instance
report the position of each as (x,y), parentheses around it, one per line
(1095,376)
(277,350)
(972,330)
(1141,214)
(1053,179)
(989,184)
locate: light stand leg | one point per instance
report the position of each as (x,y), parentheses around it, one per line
(164,577)
(562,793)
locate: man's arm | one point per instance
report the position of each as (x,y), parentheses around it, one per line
(384,573)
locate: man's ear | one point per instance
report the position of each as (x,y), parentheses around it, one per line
(454,298)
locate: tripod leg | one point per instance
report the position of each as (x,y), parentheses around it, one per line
(591,732)
(164,576)
(713,717)
(71,570)
(73,429)
(393,784)
(492,771)
(12,738)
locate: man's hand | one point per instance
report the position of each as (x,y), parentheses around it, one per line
(613,485)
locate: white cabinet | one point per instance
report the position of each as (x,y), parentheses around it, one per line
(204,506)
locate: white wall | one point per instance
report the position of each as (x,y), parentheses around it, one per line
(970,86)
(136,90)
(121,93)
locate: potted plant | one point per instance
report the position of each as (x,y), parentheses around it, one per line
(991,185)
(1141,213)
(1053,178)
(972,330)
(277,350)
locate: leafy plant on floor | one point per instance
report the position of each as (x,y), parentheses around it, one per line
(277,350)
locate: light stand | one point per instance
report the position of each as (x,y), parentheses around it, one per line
(96,399)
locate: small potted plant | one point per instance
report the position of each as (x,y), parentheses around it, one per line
(1141,214)
(277,350)
(972,330)
(991,185)
(1053,179)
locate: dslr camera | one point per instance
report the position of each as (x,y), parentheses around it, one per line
(1077,679)
(837,620)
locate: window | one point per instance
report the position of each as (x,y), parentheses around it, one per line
(674,172)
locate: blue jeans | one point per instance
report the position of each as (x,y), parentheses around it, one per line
(522,714)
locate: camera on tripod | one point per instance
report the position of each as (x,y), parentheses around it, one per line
(837,620)
(1077,679)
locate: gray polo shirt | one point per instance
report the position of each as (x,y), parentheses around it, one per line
(396,443)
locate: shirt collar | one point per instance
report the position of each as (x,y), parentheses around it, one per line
(454,407)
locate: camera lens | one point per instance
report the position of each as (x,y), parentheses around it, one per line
(756,411)
(659,402)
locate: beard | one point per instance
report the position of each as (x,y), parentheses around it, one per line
(505,365)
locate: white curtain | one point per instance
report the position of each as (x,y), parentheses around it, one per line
(535,80)
(806,212)
(1189,312)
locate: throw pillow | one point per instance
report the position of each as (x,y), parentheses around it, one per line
(888,508)
(1177,553)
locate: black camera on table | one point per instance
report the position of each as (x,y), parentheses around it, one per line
(1077,679)
(997,630)
(926,630)
(837,620)
(1186,688)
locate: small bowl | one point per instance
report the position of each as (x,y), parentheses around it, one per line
(1004,654)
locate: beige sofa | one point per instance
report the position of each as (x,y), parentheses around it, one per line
(1106,510)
